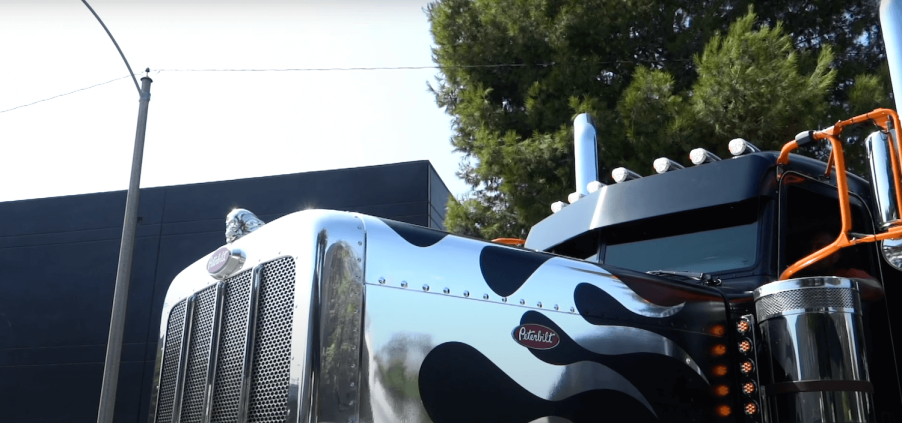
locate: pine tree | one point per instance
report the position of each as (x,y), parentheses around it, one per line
(659,77)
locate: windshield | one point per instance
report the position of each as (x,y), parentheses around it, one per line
(706,251)
(712,240)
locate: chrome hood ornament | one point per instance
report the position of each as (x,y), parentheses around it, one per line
(239,223)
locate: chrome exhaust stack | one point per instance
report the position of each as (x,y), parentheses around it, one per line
(585,148)
(882,176)
(891,27)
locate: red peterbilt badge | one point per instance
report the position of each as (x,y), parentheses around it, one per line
(537,337)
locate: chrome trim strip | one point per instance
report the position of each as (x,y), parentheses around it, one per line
(183,360)
(805,283)
(218,306)
(247,367)
(161,348)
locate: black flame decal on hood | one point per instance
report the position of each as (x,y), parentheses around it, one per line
(459,384)
(415,235)
(665,381)
(505,270)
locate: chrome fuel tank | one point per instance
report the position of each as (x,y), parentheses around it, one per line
(813,329)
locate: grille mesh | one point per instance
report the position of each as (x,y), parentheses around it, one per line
(272,355)
(781,302)
(198,355)
(174,326)
(231,349)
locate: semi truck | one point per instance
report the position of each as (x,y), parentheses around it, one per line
(758,288)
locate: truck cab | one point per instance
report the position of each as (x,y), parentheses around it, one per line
(737,224)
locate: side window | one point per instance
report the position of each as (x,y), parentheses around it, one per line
(583,247)
(811,220)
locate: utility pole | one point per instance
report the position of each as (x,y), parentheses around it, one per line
(124,270)
(107,407)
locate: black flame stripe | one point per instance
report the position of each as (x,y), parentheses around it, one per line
(459,384)
(415,235)
(599,308)
(505,270)
(671,386)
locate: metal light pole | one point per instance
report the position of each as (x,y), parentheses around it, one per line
(123,272)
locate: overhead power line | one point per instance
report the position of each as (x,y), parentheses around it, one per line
(391,68)
(502,65)
(63,95)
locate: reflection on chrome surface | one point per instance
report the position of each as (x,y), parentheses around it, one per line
(453,263)
(402,326)
(813,329)
(614,340)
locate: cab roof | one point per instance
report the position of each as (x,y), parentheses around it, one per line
(713,184)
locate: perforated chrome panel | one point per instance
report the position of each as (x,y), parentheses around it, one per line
(170,362)
(231,349)
(198,355)
(802,299)
(272,355)
(268,400)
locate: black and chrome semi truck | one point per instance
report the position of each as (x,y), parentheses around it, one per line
(757,288)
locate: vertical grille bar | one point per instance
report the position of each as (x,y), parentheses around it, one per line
(183,361)
(172,346)
(214,351)
(198,358)
(246,368)
(272,349)
(231,349)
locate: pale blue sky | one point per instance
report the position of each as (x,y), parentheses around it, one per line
(213,126)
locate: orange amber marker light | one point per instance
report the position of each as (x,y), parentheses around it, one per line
(717,330)
(724,411)
(719,350)
(746,367)
(745,346)
(722,390)
(720,370)
(743,326)
(748,388)
(751,408)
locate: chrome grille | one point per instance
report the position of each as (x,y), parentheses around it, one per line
(198,354)
(272,355)
(231,349)
(805,299)
(175,326)
(268,400)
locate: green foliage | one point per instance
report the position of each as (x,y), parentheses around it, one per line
(659,77)
(750,86)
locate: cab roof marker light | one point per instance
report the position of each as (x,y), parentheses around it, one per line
(622,174)
(701,156)
(558,206)
(739,146)
(574,197)
(664,165)
(594,186)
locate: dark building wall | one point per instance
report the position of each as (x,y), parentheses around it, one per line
(58,261)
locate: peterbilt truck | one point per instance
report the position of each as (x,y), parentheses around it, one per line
(757,288)
(700,294)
